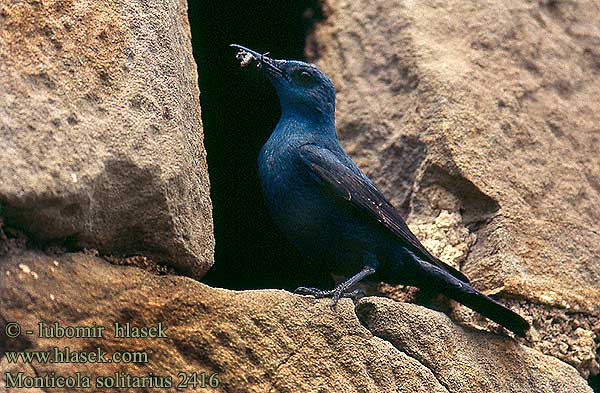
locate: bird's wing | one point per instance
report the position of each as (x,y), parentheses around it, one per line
(358,190)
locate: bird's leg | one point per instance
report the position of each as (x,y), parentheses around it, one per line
(341,290)
(322,293)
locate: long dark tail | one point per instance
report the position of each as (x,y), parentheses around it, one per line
(487,307)
(450,286)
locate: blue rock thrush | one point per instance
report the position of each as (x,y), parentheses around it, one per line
(333,212)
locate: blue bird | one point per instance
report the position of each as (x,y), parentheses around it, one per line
(332,211)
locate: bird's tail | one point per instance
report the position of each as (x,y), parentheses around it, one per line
(450,286)
(488,307)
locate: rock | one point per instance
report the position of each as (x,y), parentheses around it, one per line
(488,113)
(100,130)
(464,360)
(257,341)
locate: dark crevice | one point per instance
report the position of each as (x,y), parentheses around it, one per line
(594,382)
(15,240)
(17,237)
(239,111)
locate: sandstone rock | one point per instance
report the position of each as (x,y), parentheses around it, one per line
(100,131)
(492,363)
(258,341)
(489,112)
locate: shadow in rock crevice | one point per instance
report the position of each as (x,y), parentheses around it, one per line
(239,111)
(594,382)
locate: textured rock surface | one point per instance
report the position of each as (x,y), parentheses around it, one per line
(260,341)
(100,130)
(488,112)
(491,363)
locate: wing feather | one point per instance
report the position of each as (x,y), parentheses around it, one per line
(353,186)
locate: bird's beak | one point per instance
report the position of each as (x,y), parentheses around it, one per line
(269,65)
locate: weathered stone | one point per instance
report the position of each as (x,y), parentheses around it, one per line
(258,341)
(488,112)
(464,360)
(100,131)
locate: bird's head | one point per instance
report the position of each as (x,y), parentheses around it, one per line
(303,89)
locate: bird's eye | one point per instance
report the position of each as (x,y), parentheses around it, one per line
(304,77)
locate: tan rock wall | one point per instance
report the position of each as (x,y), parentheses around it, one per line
(100,131)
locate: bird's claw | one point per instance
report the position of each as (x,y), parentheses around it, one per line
(316,292)
(336,294)
(356,294)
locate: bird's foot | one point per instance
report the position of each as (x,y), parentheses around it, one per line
(335,294)
(342,290)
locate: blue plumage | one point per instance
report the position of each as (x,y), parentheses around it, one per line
(332,211)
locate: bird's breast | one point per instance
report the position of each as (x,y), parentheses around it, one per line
(292,197)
